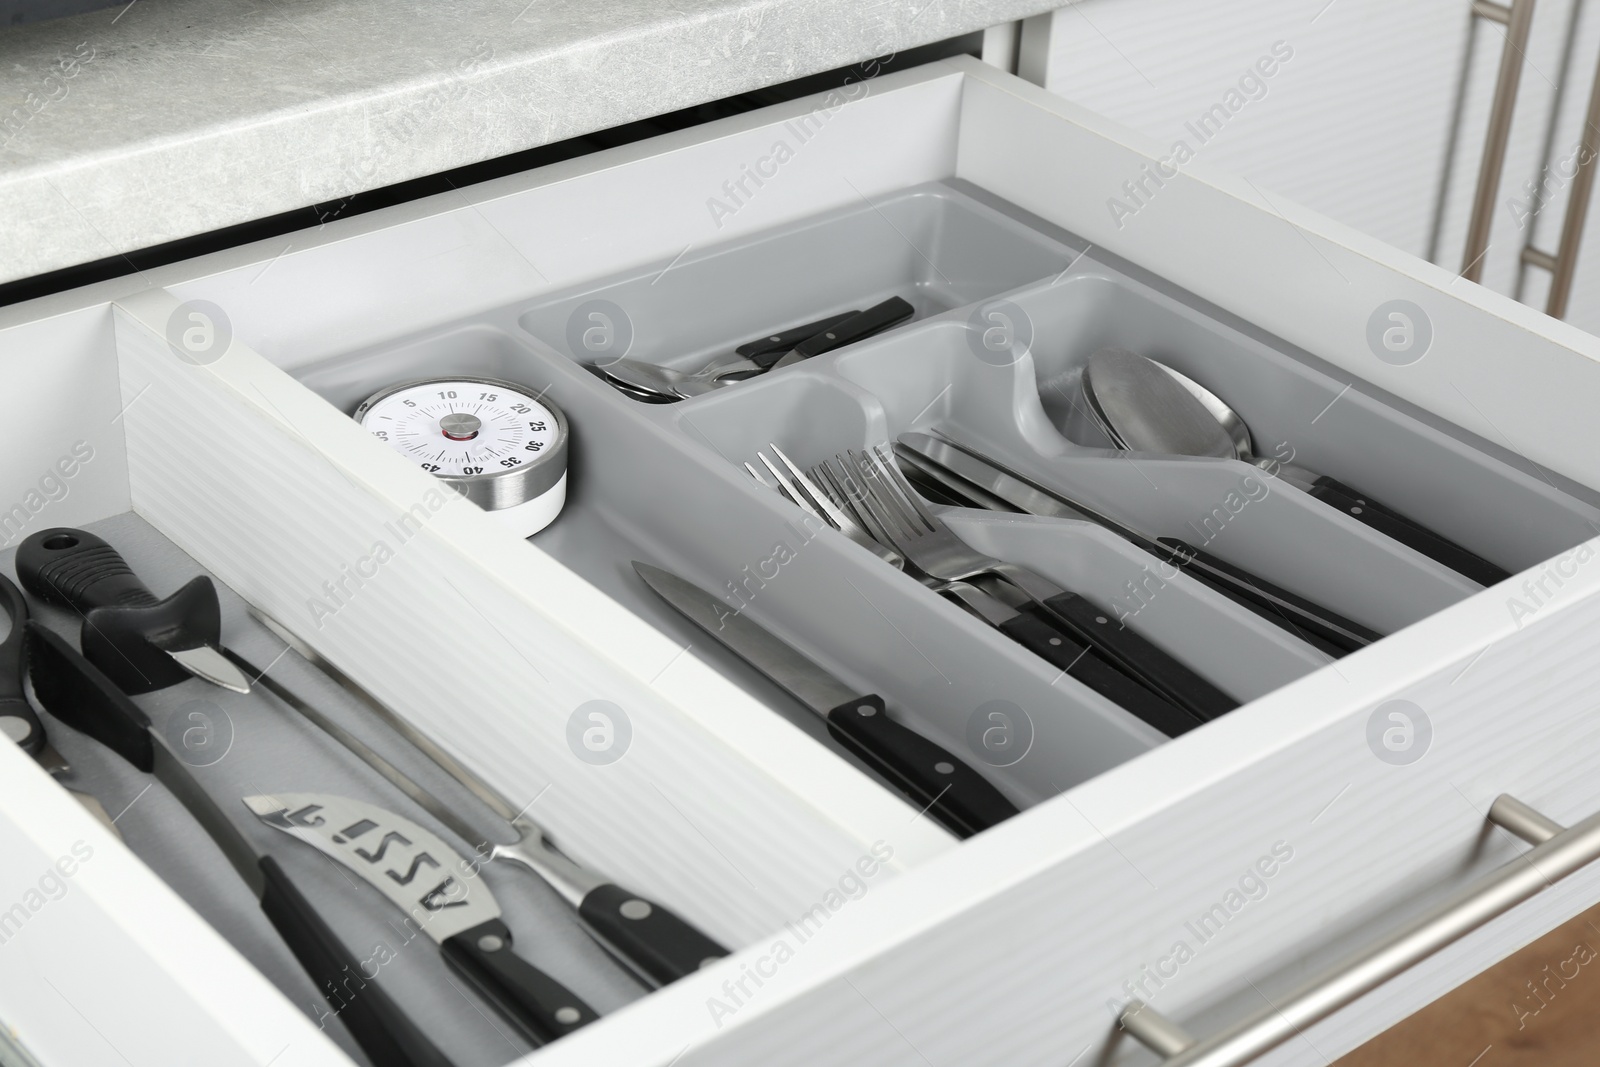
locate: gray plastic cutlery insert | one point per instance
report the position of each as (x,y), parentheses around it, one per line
(666,483)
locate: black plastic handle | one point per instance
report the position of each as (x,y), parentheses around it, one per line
(75,569)
(1327,630)
(79,694)
(1408,532)
(541,1008)
(955,794)
(766,351)
(864,324)
(17,719)
(652,938)
(384,1032)
(126,630)
(1083,664)
(1145,661)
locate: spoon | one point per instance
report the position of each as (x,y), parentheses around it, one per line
(1145,406)
(636,376)
(771,353)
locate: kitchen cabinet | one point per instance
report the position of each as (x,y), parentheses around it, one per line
(1378,121)
(1266,843)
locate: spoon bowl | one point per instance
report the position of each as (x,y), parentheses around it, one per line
(1145,406)
(635,377)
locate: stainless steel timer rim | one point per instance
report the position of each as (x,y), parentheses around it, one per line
(500,489)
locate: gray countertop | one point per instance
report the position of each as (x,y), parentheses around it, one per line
(132,126)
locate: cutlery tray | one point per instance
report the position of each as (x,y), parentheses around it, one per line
(970,194)
(665,484)
(929,245)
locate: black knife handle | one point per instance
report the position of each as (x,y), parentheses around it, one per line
(125,627)
(75,569)
(1408,532)
(16,714)
(539,1006)
(1333,632)
(649,936)
(79,694)
(766,351)
(383,1031)
(1084,665)
(864,324)
(1145,661)
(952,792)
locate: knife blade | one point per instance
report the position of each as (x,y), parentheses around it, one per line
(80,695)
(440,892)
(954,793)
(1318,626)
(651,940)
(141,643)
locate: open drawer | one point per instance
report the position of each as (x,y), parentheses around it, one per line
(1262,842)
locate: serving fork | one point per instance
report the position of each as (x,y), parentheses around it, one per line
(831,495)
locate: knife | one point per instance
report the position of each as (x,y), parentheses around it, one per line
(1323,629)
(652,941)
(768,350)
(863,324)
(141,643)
(440,892)
(17,718)
(952,791)
(80,695)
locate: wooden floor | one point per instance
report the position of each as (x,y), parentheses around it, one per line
(1540,1007)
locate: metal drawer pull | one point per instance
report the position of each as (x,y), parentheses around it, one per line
(1564,264)
(1558,851)
(1518,20)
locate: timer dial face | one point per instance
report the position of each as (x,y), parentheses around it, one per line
(463,429)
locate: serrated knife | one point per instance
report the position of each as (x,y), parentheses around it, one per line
(934,778)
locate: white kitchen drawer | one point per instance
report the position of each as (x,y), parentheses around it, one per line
(1014,947)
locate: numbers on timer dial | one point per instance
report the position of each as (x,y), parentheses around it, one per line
(462,429)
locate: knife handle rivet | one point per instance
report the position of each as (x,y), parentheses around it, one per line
(1055,640)
(568,1015)
(635,909)
(15,727)
(867,710)
(491,943)
(944,768)
(1101,619)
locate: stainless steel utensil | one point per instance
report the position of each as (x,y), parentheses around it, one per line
(770,353)
(924,538)
(1324,629)
(958,796)
(1146,406)
(823,495)
(79,694)
(654,942)
(438,891)
(637,376)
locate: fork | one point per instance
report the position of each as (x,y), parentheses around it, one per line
(823,495)
(934,548)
